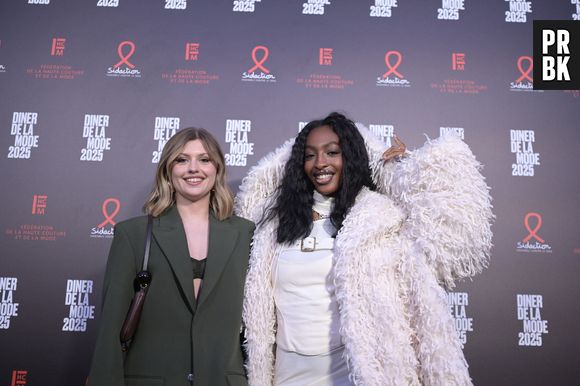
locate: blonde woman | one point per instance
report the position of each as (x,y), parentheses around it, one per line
(190,325)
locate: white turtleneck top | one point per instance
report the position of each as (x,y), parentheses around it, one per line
(304,293)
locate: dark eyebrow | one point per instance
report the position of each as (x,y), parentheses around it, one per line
(325,145)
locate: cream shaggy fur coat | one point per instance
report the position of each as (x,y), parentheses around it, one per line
(398,248)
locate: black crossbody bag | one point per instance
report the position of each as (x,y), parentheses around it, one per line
(141,285)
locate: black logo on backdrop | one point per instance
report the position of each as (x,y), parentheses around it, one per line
(556,55)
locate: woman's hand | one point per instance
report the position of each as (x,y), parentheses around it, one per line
(396,151)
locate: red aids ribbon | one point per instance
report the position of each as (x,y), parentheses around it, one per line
(109,218)
(393,69)
(525,73)
(125,58)
(258,63)
(536,228)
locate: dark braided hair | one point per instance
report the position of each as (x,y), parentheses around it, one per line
(293,208)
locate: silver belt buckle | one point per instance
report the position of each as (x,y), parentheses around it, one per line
(308,244)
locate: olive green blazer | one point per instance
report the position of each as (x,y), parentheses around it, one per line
(176,336)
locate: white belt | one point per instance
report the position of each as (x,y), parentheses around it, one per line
(310,244)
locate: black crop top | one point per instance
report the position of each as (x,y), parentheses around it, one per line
(198,268)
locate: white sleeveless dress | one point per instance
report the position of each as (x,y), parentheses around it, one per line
(309,350)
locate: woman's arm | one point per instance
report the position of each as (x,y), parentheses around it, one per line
(447,202)
(381,159)
(448,207)
(107,364)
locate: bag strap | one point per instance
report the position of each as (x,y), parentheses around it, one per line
(147,242)
(140,284)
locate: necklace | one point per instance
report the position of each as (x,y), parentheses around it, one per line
(322,205)
(318,216)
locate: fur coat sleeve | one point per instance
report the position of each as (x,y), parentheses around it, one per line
(261,183)
(447,202)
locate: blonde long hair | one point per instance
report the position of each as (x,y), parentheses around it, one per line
(162,195)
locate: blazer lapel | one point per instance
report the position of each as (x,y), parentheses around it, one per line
(222,240)
(170,237)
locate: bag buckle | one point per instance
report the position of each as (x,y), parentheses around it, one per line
(308,244)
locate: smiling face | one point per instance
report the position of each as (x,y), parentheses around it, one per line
(323,160)
(193,174)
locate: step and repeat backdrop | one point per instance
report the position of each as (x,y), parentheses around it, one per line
(91,90)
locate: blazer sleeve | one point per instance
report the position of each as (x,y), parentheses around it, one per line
(448,206)
(107,365)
